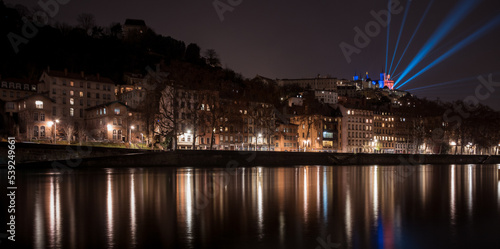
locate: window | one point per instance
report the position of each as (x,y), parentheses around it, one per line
(72,101)
(119,134)
(81,102)
(64,100)
(88,95)
(96,95)
(71,112)
(71,83)
(81,84)
(81,113)
(81,94)
(114,121)
(117,111)
(119,121)
(104,111)
(42,117)
(39,104)
(35,131)
(54,91)
(97,86)
(42,131)
(64,82)
(35,116)
(114,134)
(88,84)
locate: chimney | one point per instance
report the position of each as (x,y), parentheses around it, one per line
(82,73)
(65,72)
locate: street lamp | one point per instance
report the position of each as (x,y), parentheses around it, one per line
(50,123)
(130,134)
(454,144)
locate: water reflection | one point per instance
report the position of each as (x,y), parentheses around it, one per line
(358,207)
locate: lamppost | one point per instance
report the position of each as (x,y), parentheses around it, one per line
(109,130)
(50,123)
(257,142)
(454,144)
(130,134)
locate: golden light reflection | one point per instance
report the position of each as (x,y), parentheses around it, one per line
(109,210)
(133,214)
(55,213)
(375,194)
(39,227)
(305,195)
(260,204)
(189,205)
(348,217)
(452,195)
(469,190)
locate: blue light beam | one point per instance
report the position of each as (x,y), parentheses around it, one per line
(399,35)
(389,18)
(469,79)
(452,20)
(414,33)
(471,38)
(442,84)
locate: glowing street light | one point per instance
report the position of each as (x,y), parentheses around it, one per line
(50,124)
(130,134)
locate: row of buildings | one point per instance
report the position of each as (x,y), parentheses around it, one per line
(328,115)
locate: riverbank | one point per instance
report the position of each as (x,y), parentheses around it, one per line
(38,156)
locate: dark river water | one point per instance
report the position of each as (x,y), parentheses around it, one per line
(428,206)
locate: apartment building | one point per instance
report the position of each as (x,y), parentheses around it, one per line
(73,93)
(357,130)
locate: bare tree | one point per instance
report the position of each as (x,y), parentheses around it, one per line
(86,21)
(69,128)
(212,58)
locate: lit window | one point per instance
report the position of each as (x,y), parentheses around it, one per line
(117,111)
(72,83)
(71,112)
(39,104)
(71,101)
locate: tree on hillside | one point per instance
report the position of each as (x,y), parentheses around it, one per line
(192,53)
(212,58)
(86,21)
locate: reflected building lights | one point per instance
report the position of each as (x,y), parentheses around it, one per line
(348,218)
(452,195)
(133,213)
(109,210)
(260,204)
(55,213)
(305,195)
(375,195)
(39,228)
(469,190)
(325,197)
(189,206)
(318,192)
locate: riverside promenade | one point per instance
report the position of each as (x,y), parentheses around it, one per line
(43,156)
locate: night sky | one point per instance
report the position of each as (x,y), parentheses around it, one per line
(292,39)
